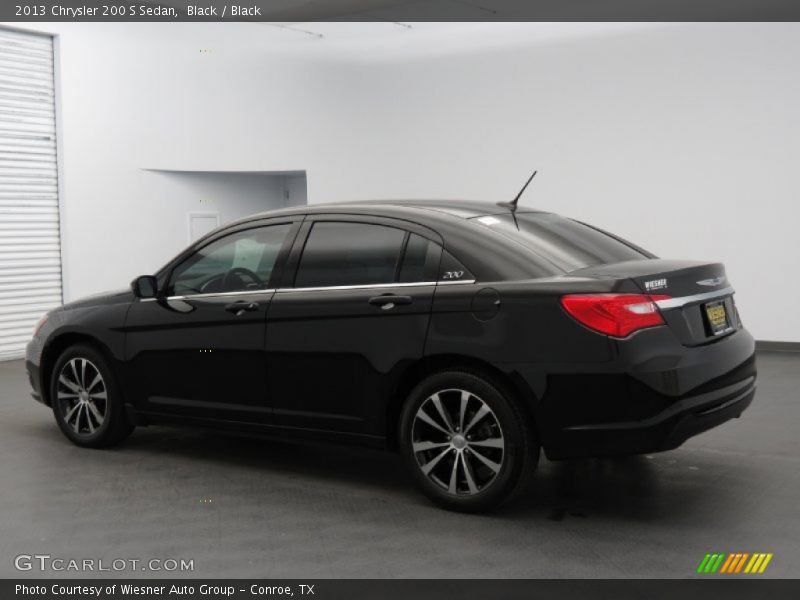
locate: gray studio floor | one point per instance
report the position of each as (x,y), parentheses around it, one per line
(242,507)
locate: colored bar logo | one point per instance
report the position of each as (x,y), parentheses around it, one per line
(735,562)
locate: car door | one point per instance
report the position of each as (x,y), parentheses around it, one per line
(355,311)
(198,348)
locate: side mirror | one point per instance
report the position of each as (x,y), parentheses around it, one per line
(145,286)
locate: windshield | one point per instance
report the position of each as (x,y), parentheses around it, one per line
(567,244)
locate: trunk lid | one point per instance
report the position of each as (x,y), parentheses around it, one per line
(700,310)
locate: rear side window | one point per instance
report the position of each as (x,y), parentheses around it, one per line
(567,244)
(419,260)
(350,254)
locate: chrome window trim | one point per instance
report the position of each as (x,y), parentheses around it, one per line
(451,282)
(370,286)
(191,296)
(356,287)
(684,300)
(313,289)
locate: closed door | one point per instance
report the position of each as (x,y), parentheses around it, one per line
(356,312)
(198,349)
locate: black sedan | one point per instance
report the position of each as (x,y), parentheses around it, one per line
(466,335)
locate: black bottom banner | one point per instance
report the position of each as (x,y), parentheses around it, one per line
(420,589)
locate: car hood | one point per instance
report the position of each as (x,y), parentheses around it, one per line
(102,299)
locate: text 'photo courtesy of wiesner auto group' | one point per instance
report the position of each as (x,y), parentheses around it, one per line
(415,299)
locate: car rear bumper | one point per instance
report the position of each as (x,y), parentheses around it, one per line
(655,395)
(664,431)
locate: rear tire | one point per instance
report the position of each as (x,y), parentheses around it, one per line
(467,444)
(85,399)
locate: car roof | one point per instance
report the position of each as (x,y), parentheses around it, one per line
(465,209)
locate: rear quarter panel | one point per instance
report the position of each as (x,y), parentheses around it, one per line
(518,328)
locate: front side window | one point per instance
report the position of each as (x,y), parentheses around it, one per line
(238,262)
(339,254)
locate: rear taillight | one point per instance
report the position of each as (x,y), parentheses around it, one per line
(614,314)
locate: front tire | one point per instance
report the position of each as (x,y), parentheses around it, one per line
(467,443)
(85,399)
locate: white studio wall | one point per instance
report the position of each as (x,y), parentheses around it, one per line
(156,123)
(680,137)
(229,195)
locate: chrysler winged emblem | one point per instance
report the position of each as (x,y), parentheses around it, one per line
(712,282)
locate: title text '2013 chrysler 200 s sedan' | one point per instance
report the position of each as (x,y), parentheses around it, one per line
(466,335)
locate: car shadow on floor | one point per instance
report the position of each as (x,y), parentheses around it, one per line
(675,488)
(626,488)
(323,462)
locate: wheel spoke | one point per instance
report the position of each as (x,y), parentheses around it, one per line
(65,395)
(423,446)
(453,487)
(489,463)
(463,409)
(83,373)
(98,395)
(89,418)
(482,412)
(423,416)
(71,412)
(427,468)
(437,402)
(75,377)
(489,443)
(473,488)
(73,386)
(77,424)
(95,381)
(96,412)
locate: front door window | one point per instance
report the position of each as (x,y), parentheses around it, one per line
(239,262)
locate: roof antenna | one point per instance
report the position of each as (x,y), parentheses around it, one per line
(513,204)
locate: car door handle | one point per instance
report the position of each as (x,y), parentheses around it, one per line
(388,301)
(241,307)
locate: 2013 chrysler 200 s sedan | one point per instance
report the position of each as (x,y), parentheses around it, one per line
(466,335)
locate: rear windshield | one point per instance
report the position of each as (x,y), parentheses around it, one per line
(567,244)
